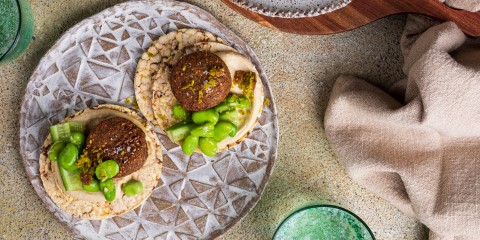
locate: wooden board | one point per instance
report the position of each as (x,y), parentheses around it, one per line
(361,12)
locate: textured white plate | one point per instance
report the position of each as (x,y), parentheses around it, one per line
(94,63)
(291,8)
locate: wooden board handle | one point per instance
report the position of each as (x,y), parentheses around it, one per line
(469,22)
(362,12)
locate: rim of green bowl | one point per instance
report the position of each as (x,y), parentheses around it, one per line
(15,40)
(324,206)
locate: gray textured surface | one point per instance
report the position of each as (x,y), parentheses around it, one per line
(301,69)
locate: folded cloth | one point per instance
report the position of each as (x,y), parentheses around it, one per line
(418,144)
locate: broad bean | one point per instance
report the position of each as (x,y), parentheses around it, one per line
(208,146)
(209,115)
(78,139)
(107,169)
(222,107)
(190,144)
(108,189)
(238,101)
(231,102)
(222,130)
(132,187)
(68,156)
(180,112)
(92,187)
(234,131)
(55,150)
(205,130)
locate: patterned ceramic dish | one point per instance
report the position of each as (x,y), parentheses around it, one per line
(291,8)
(94,63)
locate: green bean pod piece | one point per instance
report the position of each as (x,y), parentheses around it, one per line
(55,150)
(68,156)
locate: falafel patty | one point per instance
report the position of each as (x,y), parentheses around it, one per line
(116,139)
(200,80)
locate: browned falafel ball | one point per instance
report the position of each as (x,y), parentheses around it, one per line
(116,139)
(200,80)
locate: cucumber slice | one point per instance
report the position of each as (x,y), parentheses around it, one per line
(180,130)
(60,132)
(63,131)
(71,180)
(77,126)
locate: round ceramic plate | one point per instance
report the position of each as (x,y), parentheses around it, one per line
(94,63)
(291,8)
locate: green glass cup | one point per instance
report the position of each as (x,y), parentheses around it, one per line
(323,222)
(16,28)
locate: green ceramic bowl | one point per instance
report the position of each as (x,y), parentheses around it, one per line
(16,28)
(323,222)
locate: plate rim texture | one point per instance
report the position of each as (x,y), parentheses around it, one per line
(211,24)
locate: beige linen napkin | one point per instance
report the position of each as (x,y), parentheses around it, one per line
(418,145)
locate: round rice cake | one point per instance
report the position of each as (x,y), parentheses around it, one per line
(92,205)
(165,50)
(162,97)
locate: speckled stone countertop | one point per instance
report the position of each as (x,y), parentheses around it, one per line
(301,69)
